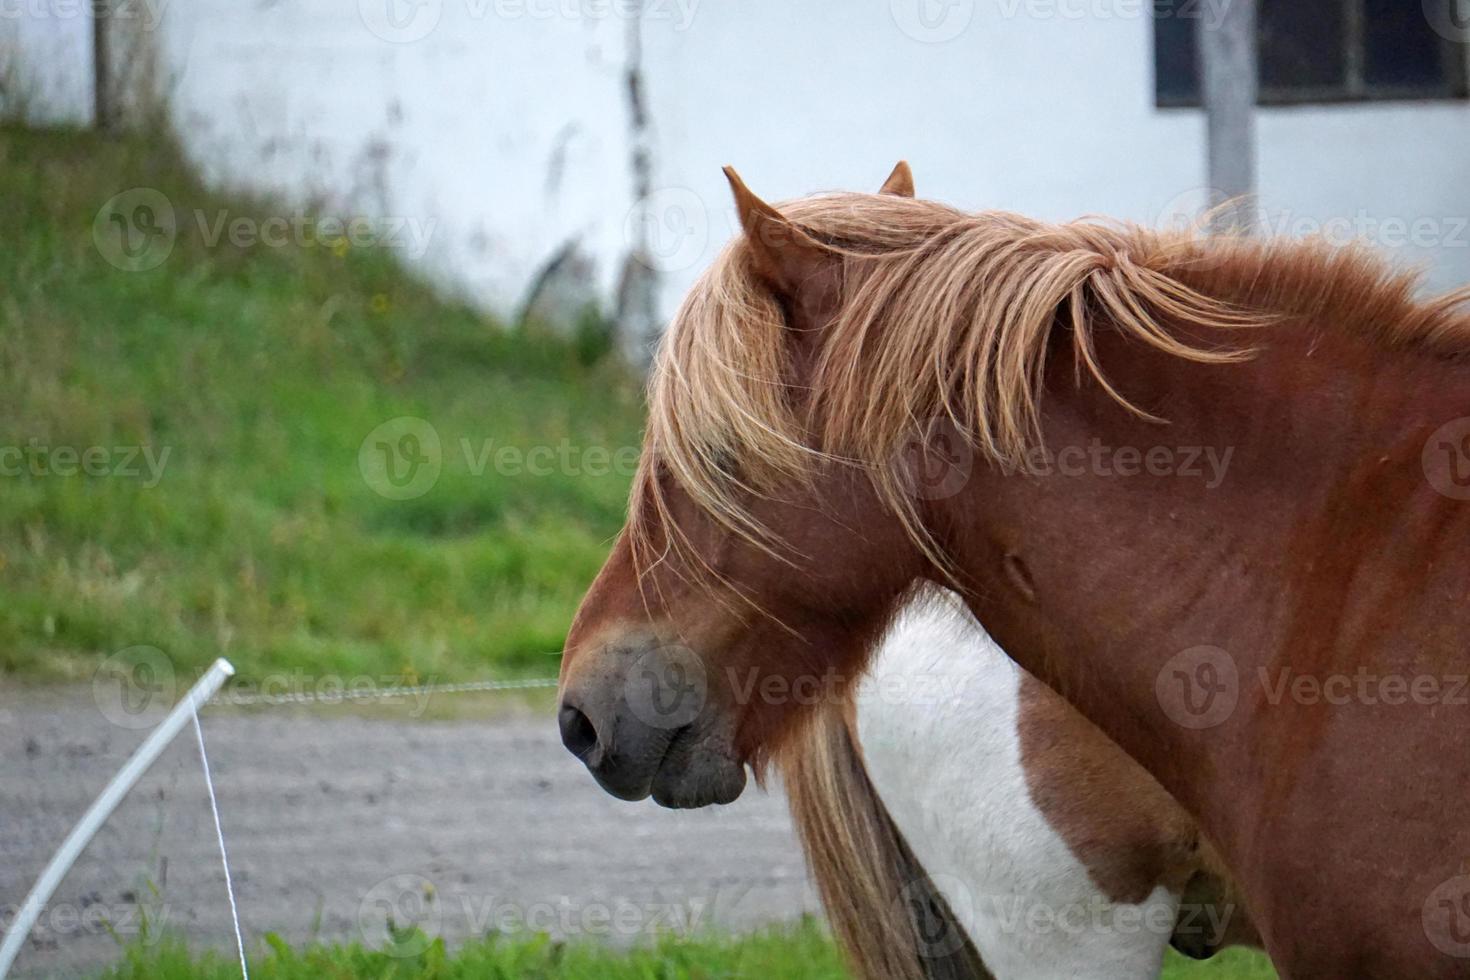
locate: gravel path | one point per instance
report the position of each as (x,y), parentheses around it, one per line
(336,822)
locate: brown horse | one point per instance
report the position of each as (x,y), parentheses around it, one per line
(868,389)
(961,821)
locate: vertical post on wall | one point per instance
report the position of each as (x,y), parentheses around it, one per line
(102,115)
(636,315)
(1228,88)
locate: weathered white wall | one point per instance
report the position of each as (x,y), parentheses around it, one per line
(501,137)
(504,127)
(45,60)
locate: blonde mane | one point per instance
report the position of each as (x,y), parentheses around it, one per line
(944,314)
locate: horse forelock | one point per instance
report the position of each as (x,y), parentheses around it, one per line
(947,315)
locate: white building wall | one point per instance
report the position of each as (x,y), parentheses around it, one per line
(45,60)
(503,127)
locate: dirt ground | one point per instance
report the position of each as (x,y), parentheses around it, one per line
(338,821)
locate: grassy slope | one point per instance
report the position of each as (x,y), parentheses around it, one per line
(262,370)
(800,952)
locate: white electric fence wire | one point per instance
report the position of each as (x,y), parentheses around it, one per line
(92,821)
(224,857)
(244,699)
(202,694)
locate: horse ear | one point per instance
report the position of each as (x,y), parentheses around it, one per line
(785,256)
(900,183)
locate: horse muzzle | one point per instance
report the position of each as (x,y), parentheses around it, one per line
(640,717)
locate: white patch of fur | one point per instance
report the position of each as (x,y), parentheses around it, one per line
(937,721)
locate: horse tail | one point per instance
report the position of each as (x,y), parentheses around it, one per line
(888,917)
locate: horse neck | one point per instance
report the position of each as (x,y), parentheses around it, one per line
(1289,510)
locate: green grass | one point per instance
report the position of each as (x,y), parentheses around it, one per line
(799,952)
(261,371)
(796,953)
(1233,964)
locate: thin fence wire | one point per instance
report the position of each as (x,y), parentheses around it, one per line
(245,699)
(224,856)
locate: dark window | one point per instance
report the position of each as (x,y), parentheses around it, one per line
(1326,50)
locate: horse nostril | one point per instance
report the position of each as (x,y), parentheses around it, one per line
(577,731)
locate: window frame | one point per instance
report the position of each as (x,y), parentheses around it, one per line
(1453,87)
